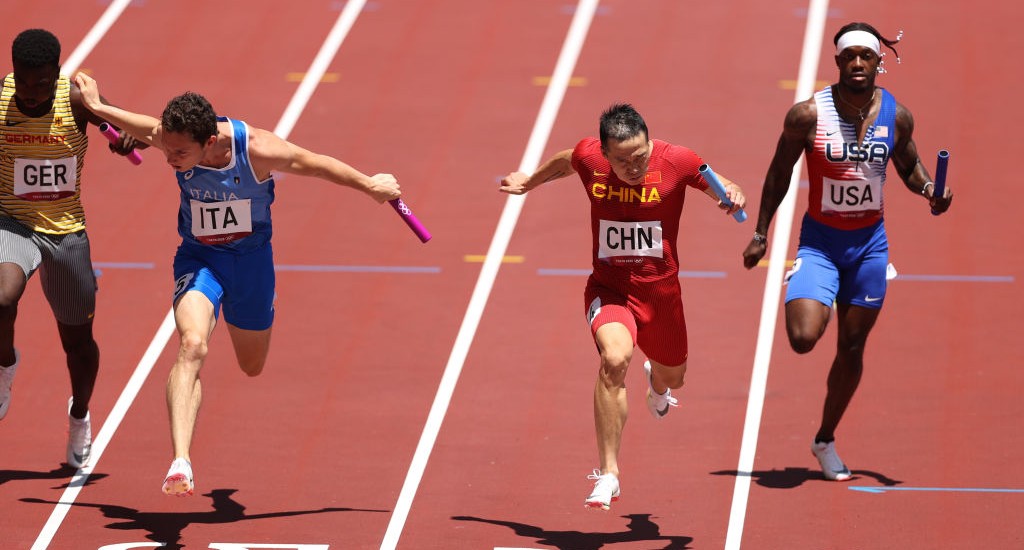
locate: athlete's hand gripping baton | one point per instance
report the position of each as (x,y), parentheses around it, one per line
(712,178)
(940,177)
(111,134)
(410,219)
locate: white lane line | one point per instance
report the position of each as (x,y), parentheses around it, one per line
(506,224)
(156,346)
(813,36)
(106,433)
(97,32)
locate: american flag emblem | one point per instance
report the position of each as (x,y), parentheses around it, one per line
(881,131)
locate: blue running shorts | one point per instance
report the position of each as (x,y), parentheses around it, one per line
(842,266)
(242,282)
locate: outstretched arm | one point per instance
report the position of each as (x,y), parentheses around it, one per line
(556,167)
(141,127)
(124,146)
(908,163)
(269,152)
(800,122)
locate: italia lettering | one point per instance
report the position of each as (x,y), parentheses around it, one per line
(211,196)
(851,195)
(851,152)
(216,219)
(45,176)
(632,238)
(625,194)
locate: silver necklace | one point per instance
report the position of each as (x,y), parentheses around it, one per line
(862,112)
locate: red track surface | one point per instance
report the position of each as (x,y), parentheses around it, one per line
(441,94)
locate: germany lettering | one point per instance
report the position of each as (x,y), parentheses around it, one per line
(30,139)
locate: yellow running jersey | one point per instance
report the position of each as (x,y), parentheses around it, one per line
(41,163)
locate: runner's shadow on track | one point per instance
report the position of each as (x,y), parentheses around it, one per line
(791,478)
(640,528)
(64,472)
(166,527)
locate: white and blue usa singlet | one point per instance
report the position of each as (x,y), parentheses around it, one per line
(226,208)
(846,177)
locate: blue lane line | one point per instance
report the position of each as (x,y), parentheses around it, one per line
(359,268)
(957,278)
(124,265)
(879,490)
(571,272)
(317,268)
(585,272)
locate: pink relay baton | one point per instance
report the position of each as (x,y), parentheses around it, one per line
(410,219)
(111,134)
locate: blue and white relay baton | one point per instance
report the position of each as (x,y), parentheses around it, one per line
(940,176)
(712,178)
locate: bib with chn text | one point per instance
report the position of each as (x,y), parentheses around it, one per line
(630,239)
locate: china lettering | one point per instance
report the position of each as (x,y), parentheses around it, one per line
(625,194)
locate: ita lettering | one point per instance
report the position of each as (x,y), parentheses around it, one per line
(217,218)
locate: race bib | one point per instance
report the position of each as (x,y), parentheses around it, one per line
(221,222)
(630,239)
(839,196)
(45,179)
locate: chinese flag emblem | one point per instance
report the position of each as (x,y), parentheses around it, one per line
(652,177)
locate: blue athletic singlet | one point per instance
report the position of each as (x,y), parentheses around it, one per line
(226,208)
(224,223)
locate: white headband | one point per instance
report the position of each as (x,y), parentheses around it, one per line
(858,38)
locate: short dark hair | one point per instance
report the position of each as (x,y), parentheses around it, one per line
(621,122)
(35,48)
(860,26)
(190,113)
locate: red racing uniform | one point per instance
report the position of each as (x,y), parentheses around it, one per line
(636,266)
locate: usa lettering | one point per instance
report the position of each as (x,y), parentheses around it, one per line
(209,196)
(625,194)
(851,152)
(217,218)
(851,195)
(45,175)
(631,238)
